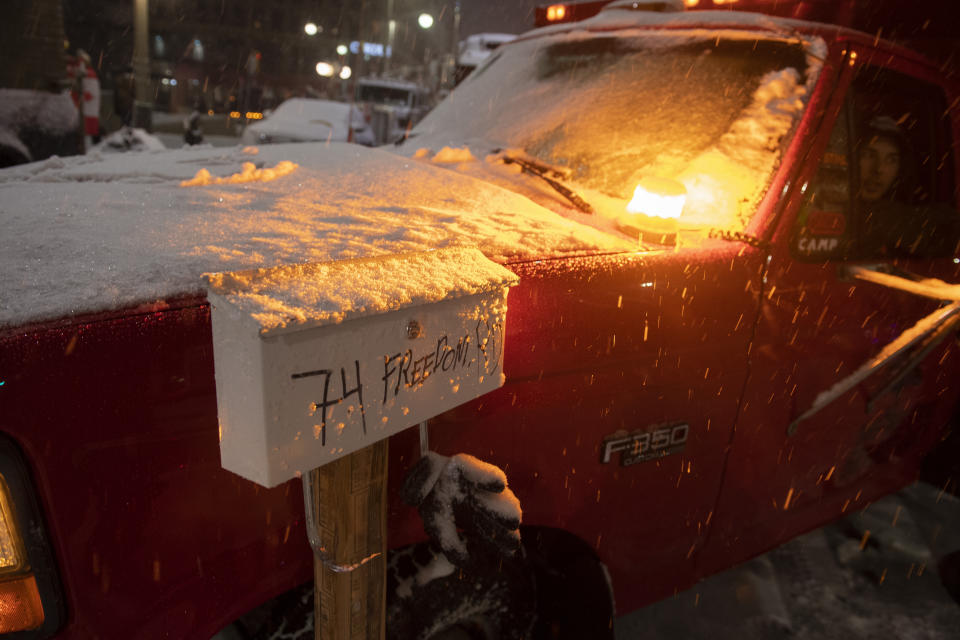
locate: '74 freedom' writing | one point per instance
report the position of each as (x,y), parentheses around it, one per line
(407,371)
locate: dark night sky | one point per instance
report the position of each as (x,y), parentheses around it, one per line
(500,16)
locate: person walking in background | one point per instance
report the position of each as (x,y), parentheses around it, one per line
(192,131)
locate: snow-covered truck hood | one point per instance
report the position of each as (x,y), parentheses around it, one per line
(95,233)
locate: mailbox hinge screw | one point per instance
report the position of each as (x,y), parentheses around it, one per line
(413,329)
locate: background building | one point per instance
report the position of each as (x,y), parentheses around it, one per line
(247,55)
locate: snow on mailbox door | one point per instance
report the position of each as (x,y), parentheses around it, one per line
(315,361)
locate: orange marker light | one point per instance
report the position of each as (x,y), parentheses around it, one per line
(20,605)
(13,557)
(556,12)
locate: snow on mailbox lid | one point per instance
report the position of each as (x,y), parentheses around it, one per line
(315,361)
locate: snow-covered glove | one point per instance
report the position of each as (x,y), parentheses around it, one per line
(465,506)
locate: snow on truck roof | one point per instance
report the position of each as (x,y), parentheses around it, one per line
(94,233)
(623,14)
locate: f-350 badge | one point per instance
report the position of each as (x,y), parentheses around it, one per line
(647,444)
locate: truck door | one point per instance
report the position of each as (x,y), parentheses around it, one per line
(623,380)
(819,324)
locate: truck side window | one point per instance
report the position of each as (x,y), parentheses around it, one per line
(904,178)
(885,187)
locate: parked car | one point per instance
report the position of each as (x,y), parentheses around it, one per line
(35,125)
(713,346)
(309,120)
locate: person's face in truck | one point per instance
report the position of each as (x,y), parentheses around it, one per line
(879,166)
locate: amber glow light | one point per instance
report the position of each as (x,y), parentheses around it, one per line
(658,198)
(657,204)
(556,12)
(691,3)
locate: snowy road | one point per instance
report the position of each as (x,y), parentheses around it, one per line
(175,140)
(823,586)
(834,583)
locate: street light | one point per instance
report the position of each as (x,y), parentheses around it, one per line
(342,49)
(325,69)
(345,72)
(311,29)
(425,20)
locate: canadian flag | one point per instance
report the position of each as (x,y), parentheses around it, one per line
(90,86)
(85,91)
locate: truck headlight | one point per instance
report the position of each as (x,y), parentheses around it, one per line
(30,600)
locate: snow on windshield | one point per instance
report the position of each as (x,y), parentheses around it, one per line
(710,109)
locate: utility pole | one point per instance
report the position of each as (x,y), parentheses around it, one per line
(359,63)
(454,45)
(143,101)
(391,38)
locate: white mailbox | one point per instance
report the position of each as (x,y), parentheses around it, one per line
(315,361)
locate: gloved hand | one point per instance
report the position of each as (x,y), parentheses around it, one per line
(465,506)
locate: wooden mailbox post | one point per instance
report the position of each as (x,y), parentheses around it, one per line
(346,509)
(317,364)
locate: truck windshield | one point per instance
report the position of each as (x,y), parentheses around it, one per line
(383,94)
(709,110)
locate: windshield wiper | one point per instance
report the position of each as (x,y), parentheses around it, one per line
(549,174)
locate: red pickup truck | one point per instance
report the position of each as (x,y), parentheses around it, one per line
(734,235)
